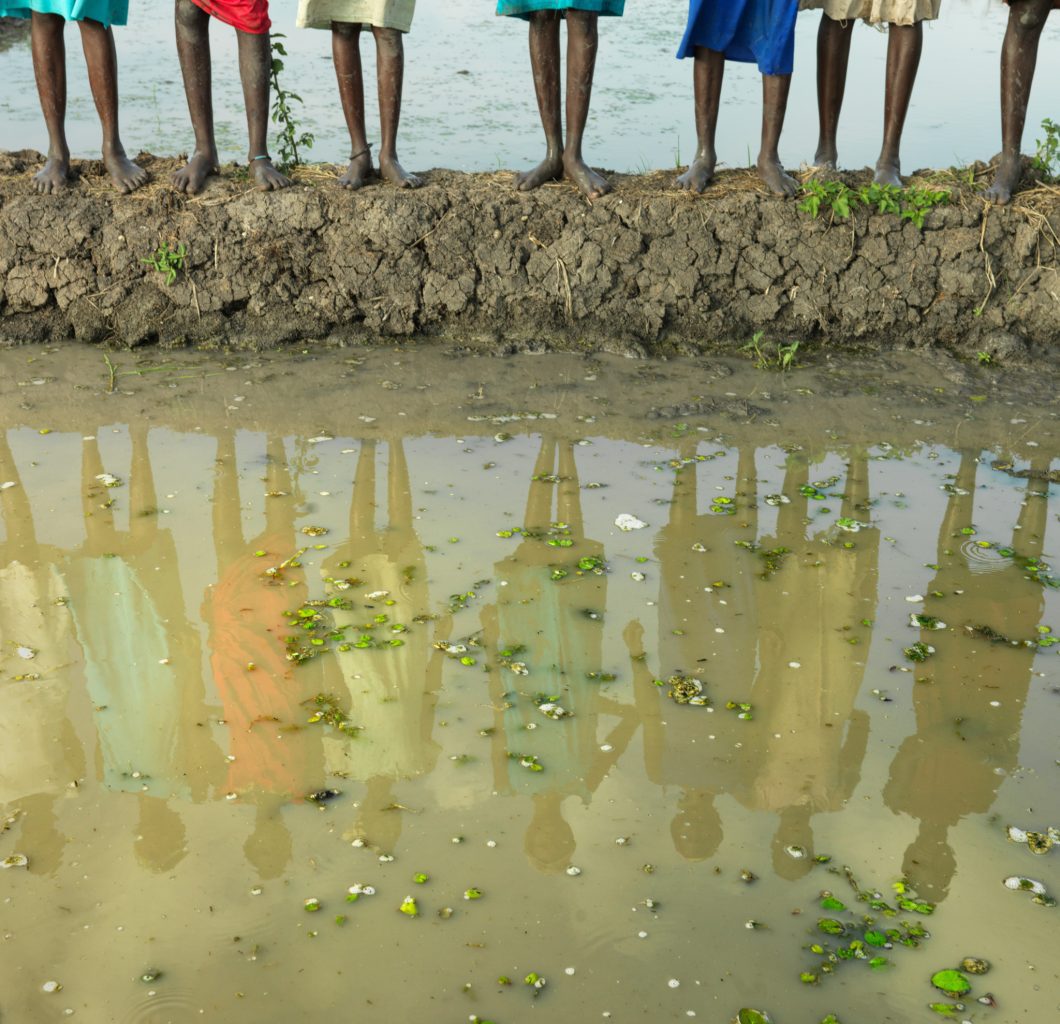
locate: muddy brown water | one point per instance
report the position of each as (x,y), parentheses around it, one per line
(158,528)
(469,94)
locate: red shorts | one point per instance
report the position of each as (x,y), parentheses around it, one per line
(245,15)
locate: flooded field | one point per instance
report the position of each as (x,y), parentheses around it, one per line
(469,97)
(399,685)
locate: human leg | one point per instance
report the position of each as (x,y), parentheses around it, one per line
(544,61)
(346,55)
(255,67)
(774,107)
(49,69)
(193,49)
(390,74)
(707,76)
(904,45)
(833,56)
(582,43)
(1019,54)
(98,44)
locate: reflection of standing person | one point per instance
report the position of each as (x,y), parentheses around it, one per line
(563,644)
(905,40)
(817,590)
(954,763)
(141,655)
(39,749)
(680,753)
(259,692)
(393,690)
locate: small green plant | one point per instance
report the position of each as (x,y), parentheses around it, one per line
(985,358)
(291,137)
(168,262)
(912,204)
(783,358)
(1047,160)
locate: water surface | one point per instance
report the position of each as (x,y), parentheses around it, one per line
(447,527)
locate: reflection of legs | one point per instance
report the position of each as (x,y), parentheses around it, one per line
(21,538)
(255,67)
(99,519)
(49,68)
(1029,535)
(568,496)
(707,75)
(544,60)
(1019,54)
(362,502)
(904,45)
(193,49)
(833,55)
(582,42)
(346,55)
(539,501)
(98,44)
(774,107)
(390,73)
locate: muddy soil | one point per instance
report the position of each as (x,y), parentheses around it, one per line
(644,271)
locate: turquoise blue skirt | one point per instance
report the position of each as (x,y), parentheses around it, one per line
(524,8)
(106,12)
(759,32)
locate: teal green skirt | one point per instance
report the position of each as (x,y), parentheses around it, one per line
(106,12)
(524,8)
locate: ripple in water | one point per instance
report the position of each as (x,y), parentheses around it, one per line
(982,558)
(168,1007)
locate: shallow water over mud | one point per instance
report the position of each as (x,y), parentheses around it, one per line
(469,104)
(275,628)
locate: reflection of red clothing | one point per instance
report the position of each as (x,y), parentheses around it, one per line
(241,611)
(245,15)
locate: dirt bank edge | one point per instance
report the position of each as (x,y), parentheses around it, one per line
(647,270)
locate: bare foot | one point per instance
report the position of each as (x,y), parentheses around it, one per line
(592,184)
(888,172)
(358,172)
(390,170)
(550,169)
(54,176)
(192,176)
(826,158)
(699,174)
(268,178)
(772,173)
(1008,175)
(123,172)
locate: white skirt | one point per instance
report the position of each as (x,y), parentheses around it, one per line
(876,12)
(378,13)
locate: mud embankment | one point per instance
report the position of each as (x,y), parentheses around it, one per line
(646,270)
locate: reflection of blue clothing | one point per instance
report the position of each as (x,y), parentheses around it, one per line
(106,12)
(759,32)
(524,8)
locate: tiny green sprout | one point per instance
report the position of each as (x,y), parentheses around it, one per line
(420,878)
(985,358)
(808,978)
(409,907)
(472,894)
(341,919)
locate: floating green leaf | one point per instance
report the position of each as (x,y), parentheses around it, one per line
(951,983)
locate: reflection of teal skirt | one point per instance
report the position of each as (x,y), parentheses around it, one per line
(524,8)
(106,12)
